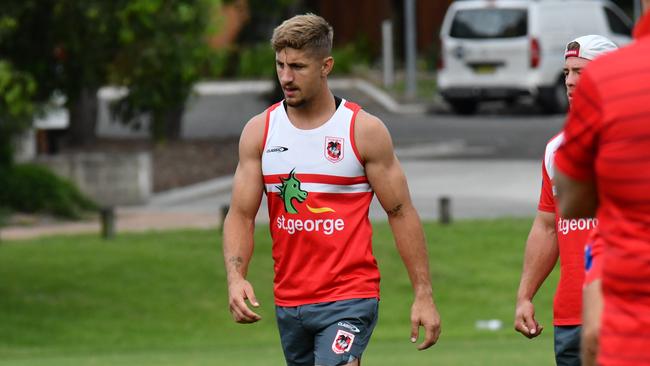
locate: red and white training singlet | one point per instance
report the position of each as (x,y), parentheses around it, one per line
(318,198)
(572,235)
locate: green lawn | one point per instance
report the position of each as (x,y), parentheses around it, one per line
(161,299)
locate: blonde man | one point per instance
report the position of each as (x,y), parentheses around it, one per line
(319,159)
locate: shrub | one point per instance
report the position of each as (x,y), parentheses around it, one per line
(256,61)
(348,57)
(32,188)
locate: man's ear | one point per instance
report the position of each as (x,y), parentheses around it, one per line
(328,65)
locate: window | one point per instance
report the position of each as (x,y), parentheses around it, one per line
(616,24)
(490,23)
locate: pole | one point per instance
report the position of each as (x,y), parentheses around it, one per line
(108,222)
(444,207)
(387,53)
(410,42)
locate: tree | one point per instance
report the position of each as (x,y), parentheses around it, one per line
(154,47)
(163,52)
(16,110)
(66,45)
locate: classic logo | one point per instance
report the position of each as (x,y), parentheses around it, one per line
(334,148)
(349,326)
(342,342)
(276,149)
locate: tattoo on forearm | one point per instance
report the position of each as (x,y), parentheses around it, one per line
(236,262)
(395,211)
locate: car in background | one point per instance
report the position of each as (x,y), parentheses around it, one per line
(507,49)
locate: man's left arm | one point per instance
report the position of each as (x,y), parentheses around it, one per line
(576,198)
(389,183)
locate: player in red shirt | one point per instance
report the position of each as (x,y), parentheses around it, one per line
(319,159)
(604,169)
(552,236)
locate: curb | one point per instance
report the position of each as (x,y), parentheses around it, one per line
(192,192)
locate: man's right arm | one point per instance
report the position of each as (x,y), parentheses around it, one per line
(240,221)
(539,259)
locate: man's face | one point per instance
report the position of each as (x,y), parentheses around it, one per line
(300,73)
(572,69)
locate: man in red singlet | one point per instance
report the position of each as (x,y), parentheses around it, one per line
(604,169)
(553,237)
(319,159)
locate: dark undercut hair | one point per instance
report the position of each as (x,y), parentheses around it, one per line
(573,46)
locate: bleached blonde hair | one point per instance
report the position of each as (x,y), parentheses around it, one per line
(308,32)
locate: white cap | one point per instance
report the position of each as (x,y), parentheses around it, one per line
(590,47)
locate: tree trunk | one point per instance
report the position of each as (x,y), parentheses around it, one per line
(83,118)
(6,146)
(169,126)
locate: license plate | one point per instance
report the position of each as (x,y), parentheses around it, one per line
(485,69)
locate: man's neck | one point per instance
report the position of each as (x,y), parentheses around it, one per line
(314,113)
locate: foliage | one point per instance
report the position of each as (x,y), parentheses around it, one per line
(160,298)
(163,51)
(156,48)
(219,62)
(257,61)
(33,188)
(16,108)
(347,58)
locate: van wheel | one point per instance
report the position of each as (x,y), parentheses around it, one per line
(463,106)
(553,99)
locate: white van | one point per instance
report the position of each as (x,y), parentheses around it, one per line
(505,49)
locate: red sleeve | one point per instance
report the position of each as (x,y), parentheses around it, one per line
(576,155)
(546,200)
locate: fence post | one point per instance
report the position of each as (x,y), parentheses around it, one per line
(108,222)
(444,210)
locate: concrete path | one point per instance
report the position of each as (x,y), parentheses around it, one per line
(476,188)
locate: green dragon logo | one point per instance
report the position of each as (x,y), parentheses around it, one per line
(290,190)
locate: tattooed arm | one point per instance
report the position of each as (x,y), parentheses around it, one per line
(389,183)
(240,222)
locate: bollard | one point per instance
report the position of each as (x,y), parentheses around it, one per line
(444,207)
(108,222)
(224,213)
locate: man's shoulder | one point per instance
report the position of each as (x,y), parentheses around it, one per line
(257,121)
(254,132)
(367,120)
(554,142)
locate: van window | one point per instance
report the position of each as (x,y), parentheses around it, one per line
(616,24)
(489,23)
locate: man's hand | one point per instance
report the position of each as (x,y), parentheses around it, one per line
(238,292)
(525,322)
(424,313)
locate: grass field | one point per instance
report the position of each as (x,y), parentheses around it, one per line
(161,299)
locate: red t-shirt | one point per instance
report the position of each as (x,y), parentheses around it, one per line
(571,235)
(607,141)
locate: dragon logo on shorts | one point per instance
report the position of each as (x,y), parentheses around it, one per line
(342,342)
